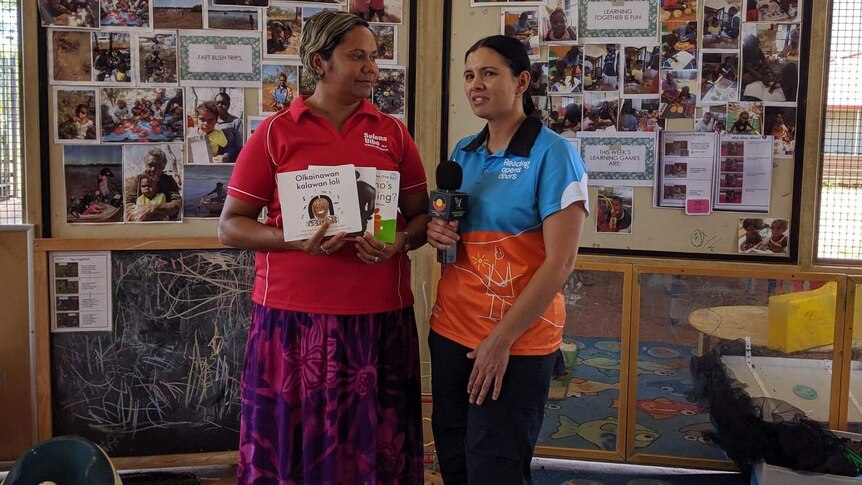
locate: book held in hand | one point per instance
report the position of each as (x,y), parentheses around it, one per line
(386,206)
(311,197)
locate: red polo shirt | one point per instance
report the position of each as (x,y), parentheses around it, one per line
(340,283)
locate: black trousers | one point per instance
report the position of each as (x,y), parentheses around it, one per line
(491,444)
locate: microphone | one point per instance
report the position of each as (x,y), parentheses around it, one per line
(447,203)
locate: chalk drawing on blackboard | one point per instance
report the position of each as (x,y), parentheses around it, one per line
(167,379)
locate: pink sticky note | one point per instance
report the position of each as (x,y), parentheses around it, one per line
(697,206)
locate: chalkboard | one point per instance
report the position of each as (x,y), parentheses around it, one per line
(166,379)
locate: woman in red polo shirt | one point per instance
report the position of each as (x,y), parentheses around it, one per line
(331,388)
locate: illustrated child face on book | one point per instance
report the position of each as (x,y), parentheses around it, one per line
(320,208)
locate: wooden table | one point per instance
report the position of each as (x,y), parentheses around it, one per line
(731,323)
(736,322)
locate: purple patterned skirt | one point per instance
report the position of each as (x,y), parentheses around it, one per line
(331,400)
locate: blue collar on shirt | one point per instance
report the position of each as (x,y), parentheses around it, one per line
(520,144)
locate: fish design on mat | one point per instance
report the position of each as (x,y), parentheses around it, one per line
(672,387)
(695,432)
(663,408)
(584,387)
(602,432)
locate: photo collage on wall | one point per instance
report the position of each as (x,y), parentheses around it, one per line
(149,96)
(708,66)
(704,55)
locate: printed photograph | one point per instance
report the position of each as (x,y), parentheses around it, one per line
(217,114)
(772,10)
(94,183)
(763,236)
(678,10)
(67,303)
(538,79)
(602,64)
(560,24)
(780,122)
(69,13)
(157,58)
(565,115)
(679,47)
(503,3)
(730,180)
(378,11)
(732,149)
(730,196)
(614,209)
(387,43)
(676,170)
(69,56)
(125,13)
(711,118)
(205,190)
(719,77)
(745,118)
(75,115)
(178,14)
(722,20)
(245,3)
(732,164)
(389,91)
(133,115)
(770,62)
(233,17)
(640,114)
(66,270)
(522,24)
(641,70)
(153,181)
(673,192)
(112,58)
(283,26)
(601,111)
(66,287)
(67,319)
(280,86)
(306,85)
(565,73)
(543,108)
(678,94)
(677,148)
(252,123)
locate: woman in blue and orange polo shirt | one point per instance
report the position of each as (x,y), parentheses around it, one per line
(330,389)
(499,315)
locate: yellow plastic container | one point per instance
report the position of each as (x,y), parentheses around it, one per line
(802,320)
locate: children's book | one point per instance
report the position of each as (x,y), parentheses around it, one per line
(377,192)
(386,208)
(311,197)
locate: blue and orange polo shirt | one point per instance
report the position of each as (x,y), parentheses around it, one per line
(341,283)
(501,247)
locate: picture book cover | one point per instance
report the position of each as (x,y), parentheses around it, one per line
(386,207)
(311,197)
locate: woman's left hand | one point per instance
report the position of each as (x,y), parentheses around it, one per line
(371,250)
(491,359)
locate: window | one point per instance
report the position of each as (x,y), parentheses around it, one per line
(11,175)
(839,231)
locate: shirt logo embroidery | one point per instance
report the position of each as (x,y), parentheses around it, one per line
(512,168)
(376,141)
